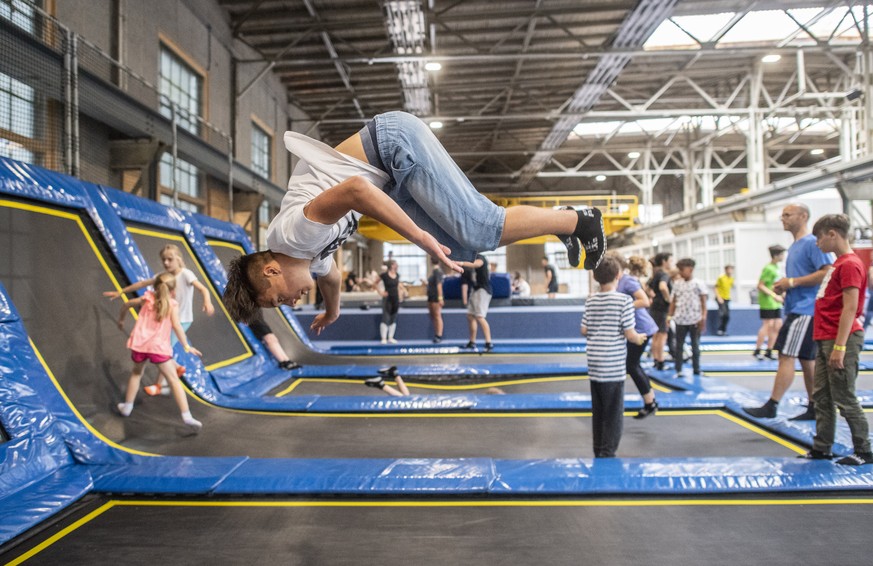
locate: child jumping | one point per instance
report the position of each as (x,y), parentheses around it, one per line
(837,330)
(186,283)
(150,341)
(608,323)
(395,171)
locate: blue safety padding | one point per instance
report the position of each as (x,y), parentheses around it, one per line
(28,507)
(361,476)
(501,285)
(556,347)
(385,403)
(671,476)
(452,287)
(221,230)
(168,474)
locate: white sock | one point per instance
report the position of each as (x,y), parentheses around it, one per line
(125,409)
(383,331)
(189,420)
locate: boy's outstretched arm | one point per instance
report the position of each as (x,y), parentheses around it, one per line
(330,292)
(360,195)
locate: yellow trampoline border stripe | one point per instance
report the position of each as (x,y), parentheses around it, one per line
(432,386)
(212,289)
(61,534)
(754,428)
(440,504)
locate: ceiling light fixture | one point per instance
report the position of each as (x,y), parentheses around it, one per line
(816,151)
(436,125)
(432,66)
(600,178)
(633,154)
(772,58)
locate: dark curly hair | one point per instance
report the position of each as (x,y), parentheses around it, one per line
(245,283)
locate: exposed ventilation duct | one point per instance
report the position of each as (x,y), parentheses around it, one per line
(406,30)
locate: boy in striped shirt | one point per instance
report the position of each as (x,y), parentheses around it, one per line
(608,322)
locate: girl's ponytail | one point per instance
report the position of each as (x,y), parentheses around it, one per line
(164,285)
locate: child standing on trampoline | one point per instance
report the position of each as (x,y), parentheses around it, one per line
(150,341)
(186,283)
(608,323)
(837,330)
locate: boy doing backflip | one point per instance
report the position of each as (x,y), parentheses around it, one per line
(395,171)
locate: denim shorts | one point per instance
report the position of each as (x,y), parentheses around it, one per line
(430,187)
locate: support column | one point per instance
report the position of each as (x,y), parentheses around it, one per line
(707,190)
(755,158)
(689,186)
(648,183)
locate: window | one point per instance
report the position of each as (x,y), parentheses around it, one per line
(179,84)
(713,240)
(17,119)
(261,152)
(412,262)
(727,237)
(19,13)
(263,223)
(187,184)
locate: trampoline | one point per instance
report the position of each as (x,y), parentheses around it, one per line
(509,486)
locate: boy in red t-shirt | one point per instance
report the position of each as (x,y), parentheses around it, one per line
(837,329)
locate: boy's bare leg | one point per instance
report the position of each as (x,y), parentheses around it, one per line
(401,385)
(525,221)
(486,328)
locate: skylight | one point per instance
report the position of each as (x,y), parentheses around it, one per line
(757,27)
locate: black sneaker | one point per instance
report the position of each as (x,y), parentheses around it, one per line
(469,345)
(571,242)
(647,410)
(769,355)
(758,356)
(437,339)
(289,365)
(489,346)
(377,382)
(807,415)
(817,455)
(766,411)
(856,459)
(388,371)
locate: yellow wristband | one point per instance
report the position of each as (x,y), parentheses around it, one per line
(839,348)
(791,282)
(187,348)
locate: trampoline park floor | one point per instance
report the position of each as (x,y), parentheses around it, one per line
(775,530)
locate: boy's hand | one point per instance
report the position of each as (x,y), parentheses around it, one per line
(701,325)
(430,245)
(120,323)
(195,351)
(836,359)
(323,320)
(208,309)
(112,295)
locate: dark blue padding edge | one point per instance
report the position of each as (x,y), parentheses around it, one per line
(167,474)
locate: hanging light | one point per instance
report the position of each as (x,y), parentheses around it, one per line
(772,58)
(600,178)
(436,125)
(633,154)
(816,151)
(432,66)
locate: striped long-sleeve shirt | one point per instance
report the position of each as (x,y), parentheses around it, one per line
(607,316)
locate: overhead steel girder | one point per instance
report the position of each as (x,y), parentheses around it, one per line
(108,105)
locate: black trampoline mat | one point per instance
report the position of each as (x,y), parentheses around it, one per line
(777,531)
(216,336)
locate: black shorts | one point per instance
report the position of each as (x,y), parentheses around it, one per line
(260,329)
(768,314)
(660,318)
(795,338)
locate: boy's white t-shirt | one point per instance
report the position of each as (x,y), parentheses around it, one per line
(185,295)
(320,168)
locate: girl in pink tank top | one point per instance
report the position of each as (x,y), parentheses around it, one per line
(150,341)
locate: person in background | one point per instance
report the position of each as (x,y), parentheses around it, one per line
(476,294)
(351,282)
(389,288)
(150,341)
(551,277)
(688,310)
(805,269)
(630,284)
(769,304)
(660,287)
(608,324)
(435,301)
(520,287)
(839,306)
(723,286)
(264,333)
